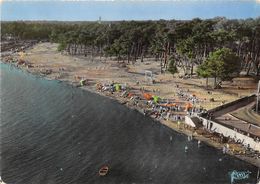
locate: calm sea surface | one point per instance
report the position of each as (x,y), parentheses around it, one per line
(52,133)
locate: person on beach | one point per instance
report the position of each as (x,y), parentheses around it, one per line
(190,137)
(178,123)
(227,147)
(186,149)
(199,143)
(224,150)
(168,116)
(144,111)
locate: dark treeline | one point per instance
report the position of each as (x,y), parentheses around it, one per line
(188,43)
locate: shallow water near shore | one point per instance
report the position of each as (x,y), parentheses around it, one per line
(53,133)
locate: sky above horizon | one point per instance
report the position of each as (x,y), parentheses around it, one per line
(128,10)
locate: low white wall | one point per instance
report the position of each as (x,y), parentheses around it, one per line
(231,133)
(189,121)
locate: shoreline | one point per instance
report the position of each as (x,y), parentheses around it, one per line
(38,63)
(184,130)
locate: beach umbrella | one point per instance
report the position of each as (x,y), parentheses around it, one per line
(156,99)
(82,82)
(130,94)
(147,96)
(188,106)
(165,105)
(171,105)
(118,87)
(168,105)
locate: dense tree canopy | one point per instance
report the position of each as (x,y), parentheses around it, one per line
(189,43)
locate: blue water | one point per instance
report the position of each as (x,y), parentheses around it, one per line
(52,133)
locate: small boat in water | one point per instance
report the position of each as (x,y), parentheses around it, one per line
(103,171)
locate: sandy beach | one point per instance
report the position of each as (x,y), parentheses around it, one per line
(44,59)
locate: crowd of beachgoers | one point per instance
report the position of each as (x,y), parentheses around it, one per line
(154,105)
(174,110)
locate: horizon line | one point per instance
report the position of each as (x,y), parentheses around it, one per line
(117,20)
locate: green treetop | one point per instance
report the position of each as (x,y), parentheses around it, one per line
(222,64)
(172,67)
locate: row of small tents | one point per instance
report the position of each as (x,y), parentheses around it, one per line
(116,86)
(148,96)
(157,99)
